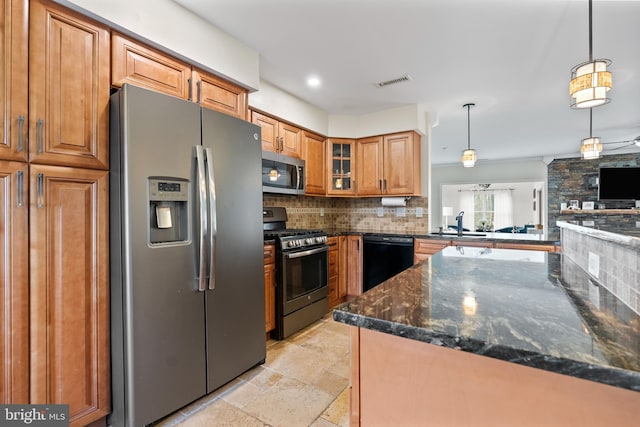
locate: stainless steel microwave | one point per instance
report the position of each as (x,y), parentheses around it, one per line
(282,174)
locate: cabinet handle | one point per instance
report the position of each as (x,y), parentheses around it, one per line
(40,129)
(385,185)
(380,184)
(281,143)
(40,189)
(20,133)
(198,84)
(20,185)
(190,89)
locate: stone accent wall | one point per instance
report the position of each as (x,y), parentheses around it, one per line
(573,179)
(614,266)
(351,214)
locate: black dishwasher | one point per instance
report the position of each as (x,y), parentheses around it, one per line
(384,256)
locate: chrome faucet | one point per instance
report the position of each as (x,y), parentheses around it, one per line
(459,219)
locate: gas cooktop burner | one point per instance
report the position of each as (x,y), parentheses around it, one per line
(274,227)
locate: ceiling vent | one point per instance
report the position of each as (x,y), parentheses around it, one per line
(404,78)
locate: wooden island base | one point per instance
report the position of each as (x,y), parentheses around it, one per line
(403,382)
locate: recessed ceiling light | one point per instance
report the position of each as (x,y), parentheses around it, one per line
(313,81)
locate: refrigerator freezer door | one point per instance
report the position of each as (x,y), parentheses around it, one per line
(235,308)
(158,319)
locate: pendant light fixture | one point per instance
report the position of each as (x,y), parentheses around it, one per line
(591,147)
(590,81)
(469,157)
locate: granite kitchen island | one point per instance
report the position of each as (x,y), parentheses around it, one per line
(480,336)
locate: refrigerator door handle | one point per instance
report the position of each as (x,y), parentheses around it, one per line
(201,186)
(213,218)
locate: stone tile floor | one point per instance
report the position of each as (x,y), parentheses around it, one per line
(304,382)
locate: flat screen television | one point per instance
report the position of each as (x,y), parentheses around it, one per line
(619,183)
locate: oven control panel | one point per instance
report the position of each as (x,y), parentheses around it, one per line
(302,241)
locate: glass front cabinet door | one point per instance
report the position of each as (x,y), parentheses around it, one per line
(341,163)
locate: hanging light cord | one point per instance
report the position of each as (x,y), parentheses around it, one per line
(590,32)
(590,118)
(468,125)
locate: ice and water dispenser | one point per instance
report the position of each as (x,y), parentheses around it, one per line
(168,210)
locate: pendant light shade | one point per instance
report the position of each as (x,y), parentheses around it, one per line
(590,147)
(590,81)
(469,156)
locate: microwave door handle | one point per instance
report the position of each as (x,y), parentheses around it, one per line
(211,183)
(298,178)
(202,197)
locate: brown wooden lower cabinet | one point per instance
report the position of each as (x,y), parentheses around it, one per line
(424,248)
(270,287)
(528,247)
(337,269)
(354,255)
(69,295)
(14,285)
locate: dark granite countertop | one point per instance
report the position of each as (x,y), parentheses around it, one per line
(533,308)
(486,237)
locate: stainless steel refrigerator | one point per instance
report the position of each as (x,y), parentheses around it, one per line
(187,292)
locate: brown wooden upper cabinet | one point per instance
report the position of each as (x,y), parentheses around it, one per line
(314,155)
(278,136)
(218,94)
(14,86)
(137,64)
(68,88)
(388,165)
(341,167)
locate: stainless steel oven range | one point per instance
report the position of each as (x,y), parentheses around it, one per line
(302,286)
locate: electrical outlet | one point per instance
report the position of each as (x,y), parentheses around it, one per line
(419,213)
(321,211)
(380,212)
(637,224)
(588,223)
(594,264)
(401,211)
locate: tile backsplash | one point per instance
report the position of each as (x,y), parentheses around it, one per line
(351,214)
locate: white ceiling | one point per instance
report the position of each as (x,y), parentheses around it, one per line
(512,58)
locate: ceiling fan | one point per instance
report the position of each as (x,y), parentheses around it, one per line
(627,143)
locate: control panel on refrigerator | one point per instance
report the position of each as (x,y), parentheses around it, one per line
(168,210)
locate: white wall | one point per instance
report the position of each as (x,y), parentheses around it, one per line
(170,27)
(513,171)
(410,117)
(274,100)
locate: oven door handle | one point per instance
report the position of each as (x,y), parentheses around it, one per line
(291,255)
